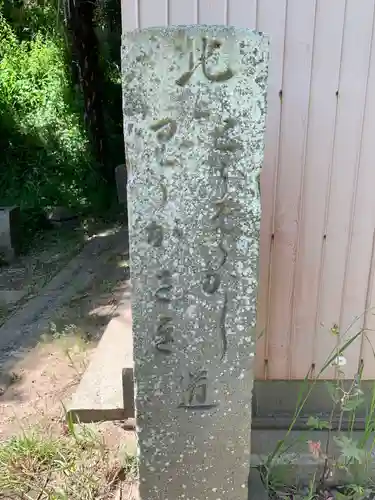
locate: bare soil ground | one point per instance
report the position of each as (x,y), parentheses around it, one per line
(35,383)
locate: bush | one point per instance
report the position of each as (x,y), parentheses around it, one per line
(45,158)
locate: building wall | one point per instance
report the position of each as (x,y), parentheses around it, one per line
(318,181)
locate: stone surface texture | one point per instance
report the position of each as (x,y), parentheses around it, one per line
(194,116)
(103,392)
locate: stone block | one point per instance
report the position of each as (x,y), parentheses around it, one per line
(9,233)
(194,117)
(105,391)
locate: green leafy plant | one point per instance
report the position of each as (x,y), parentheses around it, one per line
(47,159)
(342,453)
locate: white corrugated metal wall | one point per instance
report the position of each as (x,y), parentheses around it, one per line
(318,180)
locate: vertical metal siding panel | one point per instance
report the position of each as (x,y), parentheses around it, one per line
(348,260)
(351,99)
(183,11)
(329,27)
(243,13)
(359,288)
(359,253)
(153,13)
(271,20)
(295,97)
(212,12)
(368,340)
(129,15)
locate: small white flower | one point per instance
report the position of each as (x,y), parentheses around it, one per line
(339,361)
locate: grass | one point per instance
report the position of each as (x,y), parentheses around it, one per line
(74,466)
(71,461)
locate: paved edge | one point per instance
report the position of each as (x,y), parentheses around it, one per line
(106,390)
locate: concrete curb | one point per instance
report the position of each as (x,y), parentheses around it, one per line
(106,390)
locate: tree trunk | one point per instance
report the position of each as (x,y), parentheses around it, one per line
(86,50)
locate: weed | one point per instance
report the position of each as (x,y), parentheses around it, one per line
(65,332)
(23,460)
(343,458)
(14,378)
(130,464)
(72,341)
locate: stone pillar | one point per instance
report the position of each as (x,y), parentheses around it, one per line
(194,110)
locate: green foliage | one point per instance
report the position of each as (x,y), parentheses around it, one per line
(349,450)
(316,423)
(341,454)
(29,18)
(46,157)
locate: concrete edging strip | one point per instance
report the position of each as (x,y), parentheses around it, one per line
(106,388)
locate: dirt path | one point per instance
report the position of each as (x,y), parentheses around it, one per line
(50,252)
(47,342)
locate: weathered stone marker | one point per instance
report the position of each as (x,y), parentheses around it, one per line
(194,106)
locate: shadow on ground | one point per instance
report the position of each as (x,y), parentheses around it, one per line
(49,251)
(48,358)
